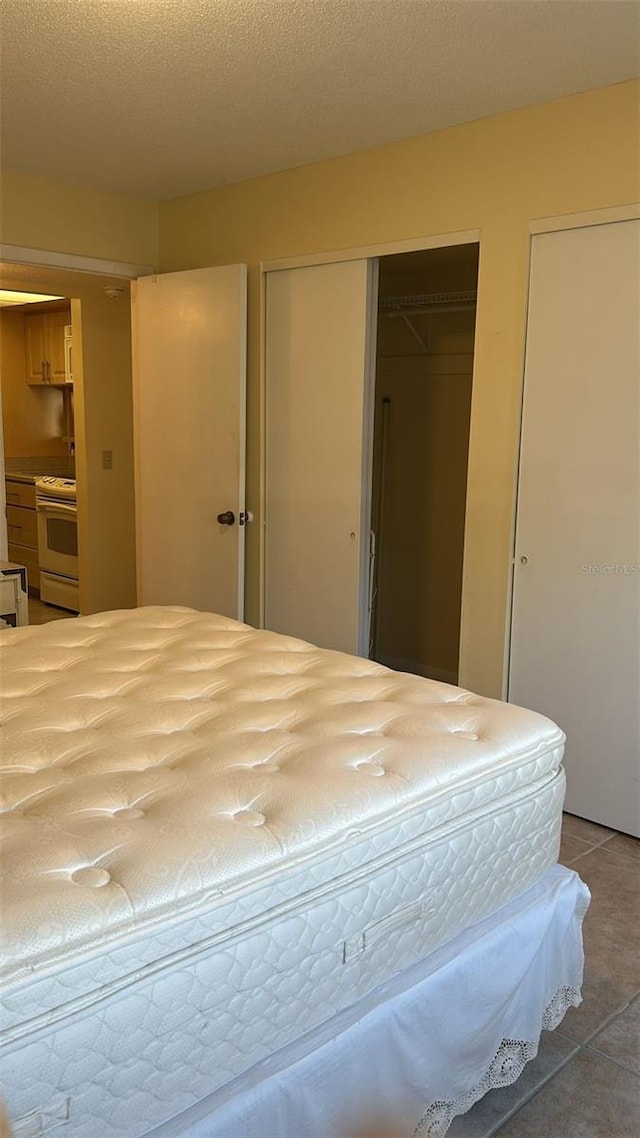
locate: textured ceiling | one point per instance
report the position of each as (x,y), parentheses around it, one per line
(164,97)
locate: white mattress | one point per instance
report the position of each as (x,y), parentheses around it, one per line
(216,838)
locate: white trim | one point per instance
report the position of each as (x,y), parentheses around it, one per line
(242,442)
(515,490)
(367,252)
(627,212)
(262,474)
(46,259)
(366,490)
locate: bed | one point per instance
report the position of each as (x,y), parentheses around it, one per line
(250,883)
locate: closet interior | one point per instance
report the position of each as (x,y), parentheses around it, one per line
(424,372)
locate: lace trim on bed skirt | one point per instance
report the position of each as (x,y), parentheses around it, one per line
(507,1066)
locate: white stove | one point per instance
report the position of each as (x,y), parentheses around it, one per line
(51,486)
(57,510)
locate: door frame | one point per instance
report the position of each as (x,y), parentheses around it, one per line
(305,260)
(45,259)
(71,262)
(628,212)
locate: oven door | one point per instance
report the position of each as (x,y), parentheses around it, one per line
(58,537)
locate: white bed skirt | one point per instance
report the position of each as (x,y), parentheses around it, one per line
(425,1046)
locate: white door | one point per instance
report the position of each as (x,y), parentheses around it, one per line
(575,633)
(320,354)
(189,373)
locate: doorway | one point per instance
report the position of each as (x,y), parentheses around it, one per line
(423,382)
(87,434)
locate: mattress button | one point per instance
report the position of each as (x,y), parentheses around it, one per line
(91,876)
(249,818)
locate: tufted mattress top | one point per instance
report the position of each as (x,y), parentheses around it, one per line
(158,760)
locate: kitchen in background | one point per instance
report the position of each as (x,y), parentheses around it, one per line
(36,365)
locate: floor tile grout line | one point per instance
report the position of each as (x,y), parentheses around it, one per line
(593,845)
(604,841)
(532,1094)
(617,853)
(544,1082)
(581,855)
(606,1022)
(630,857)
(578,1047)
(610,1059)
(607,839)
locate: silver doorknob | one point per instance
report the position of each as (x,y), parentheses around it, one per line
(227,518)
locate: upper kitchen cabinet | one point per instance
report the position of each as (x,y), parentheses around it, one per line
(46,348)
(35,347)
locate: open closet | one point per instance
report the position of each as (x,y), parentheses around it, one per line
(424,370)
(368,395)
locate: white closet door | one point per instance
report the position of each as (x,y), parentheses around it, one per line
(320,339)
(189,356)
(575,634)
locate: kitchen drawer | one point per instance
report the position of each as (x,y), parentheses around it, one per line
(21,494)
(22,526)
(29,558)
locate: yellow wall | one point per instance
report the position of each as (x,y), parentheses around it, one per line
(33,417)
(494,174)
(39,214)
(104,421)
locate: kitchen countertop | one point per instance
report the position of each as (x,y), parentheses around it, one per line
(32,475)
(22,475)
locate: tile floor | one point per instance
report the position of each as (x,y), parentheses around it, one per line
(585,1081)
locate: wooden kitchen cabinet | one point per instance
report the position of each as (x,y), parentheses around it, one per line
(44,347)
(22,527)
(35,347)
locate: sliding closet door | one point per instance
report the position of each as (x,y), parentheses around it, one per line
(575,634)
(320,351)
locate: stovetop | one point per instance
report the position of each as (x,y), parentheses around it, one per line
(51,486)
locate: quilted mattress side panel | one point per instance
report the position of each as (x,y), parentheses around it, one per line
(118,1066)
(42,995)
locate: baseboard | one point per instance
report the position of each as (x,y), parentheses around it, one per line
(417,668)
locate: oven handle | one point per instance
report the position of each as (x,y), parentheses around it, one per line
(55,507)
